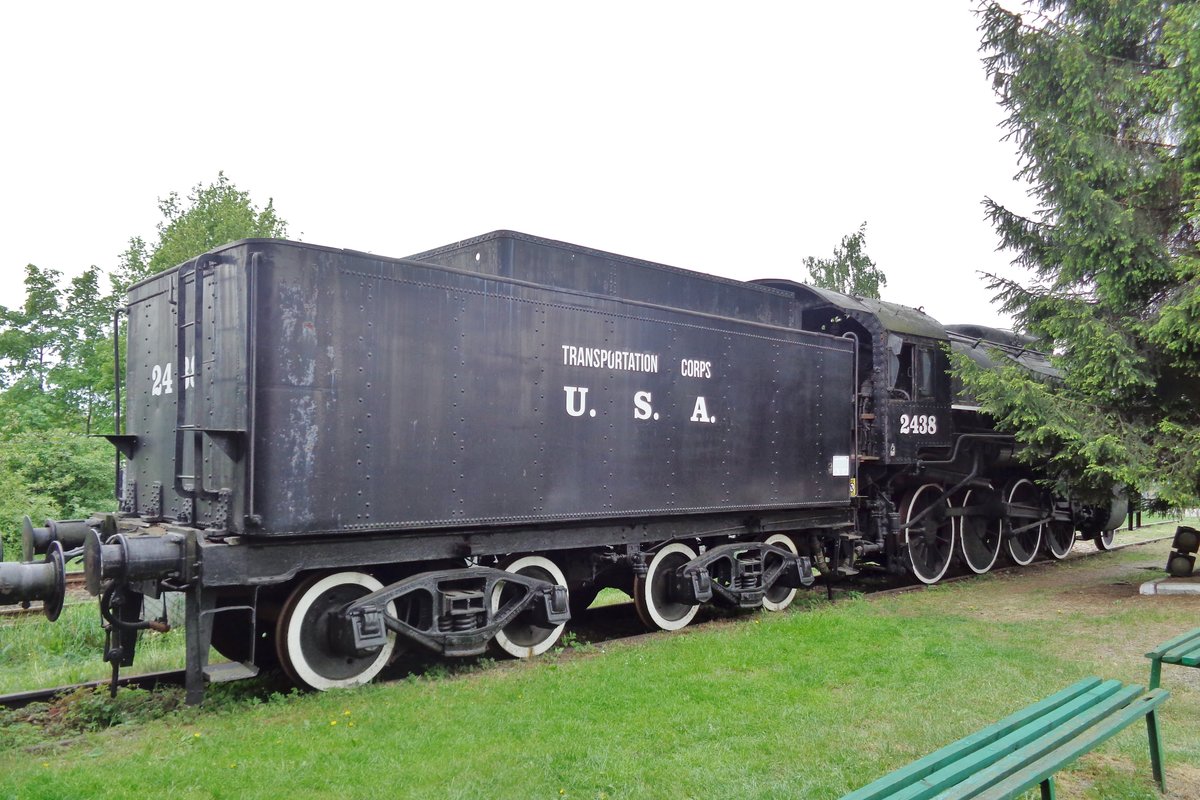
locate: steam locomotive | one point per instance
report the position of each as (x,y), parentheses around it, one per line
(334,455)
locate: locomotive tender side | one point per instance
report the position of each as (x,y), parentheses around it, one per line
(332,454)
(392,395)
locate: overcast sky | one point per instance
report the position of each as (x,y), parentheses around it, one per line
(728,138)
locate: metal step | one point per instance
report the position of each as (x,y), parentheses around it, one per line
(233,671)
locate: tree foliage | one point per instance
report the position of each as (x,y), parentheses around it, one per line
(213,215)
(56,356)
(56,353)
(1103,102)
(850,271)
(55,474)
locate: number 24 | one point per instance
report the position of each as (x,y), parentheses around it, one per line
(163,382)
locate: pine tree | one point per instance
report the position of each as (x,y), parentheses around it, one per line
(1103,102)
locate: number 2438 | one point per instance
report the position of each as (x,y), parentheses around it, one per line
(918,423)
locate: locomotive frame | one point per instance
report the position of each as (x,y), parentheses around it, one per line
(328,452)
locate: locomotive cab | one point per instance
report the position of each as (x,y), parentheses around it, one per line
(916,396)
(924,479)
(904,392)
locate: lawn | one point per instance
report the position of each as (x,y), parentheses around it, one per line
(809,703)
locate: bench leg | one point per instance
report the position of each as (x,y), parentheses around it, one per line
(1155,672)
(1048,789)
(1156,763)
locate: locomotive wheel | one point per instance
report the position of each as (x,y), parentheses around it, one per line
(521,638)
(1105,540)
(979,538)
(930,543)
(650,594)
(778,597)
(1023,547)
(1060,538)
(302,633)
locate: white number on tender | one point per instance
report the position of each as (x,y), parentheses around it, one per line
(918,424)
(163,382)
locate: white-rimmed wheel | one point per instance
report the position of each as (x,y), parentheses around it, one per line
(1060,538)
(651,594)
(979,537)
(929,543)
(1105,540)
(522,638)
(1023,546)
(778,597)
(302,634)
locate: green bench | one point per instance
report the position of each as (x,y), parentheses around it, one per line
(1183,650)
(1026,749)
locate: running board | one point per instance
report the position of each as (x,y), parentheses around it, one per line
(232,671)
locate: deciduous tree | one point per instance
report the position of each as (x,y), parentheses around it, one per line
(212,215)
(56,376)
(850,271)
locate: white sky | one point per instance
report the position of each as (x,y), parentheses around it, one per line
(727,138)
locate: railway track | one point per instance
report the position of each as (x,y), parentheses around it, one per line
(1040,564)
(601,624)
(150,680)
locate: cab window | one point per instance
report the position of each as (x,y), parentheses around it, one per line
(924,372)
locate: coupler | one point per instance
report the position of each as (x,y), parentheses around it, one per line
(70,533)
(25,582)
(740,574)
(132,559)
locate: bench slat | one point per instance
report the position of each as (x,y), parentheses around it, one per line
(1026,748)
(1029,776)
(1030,742)
(1183,638)
(888,784)
(1181,651)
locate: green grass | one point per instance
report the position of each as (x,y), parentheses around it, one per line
(805,704)
(1154,526)
(610,597)
(36,654)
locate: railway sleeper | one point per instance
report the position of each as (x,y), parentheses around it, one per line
(739,574)
(454,612)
